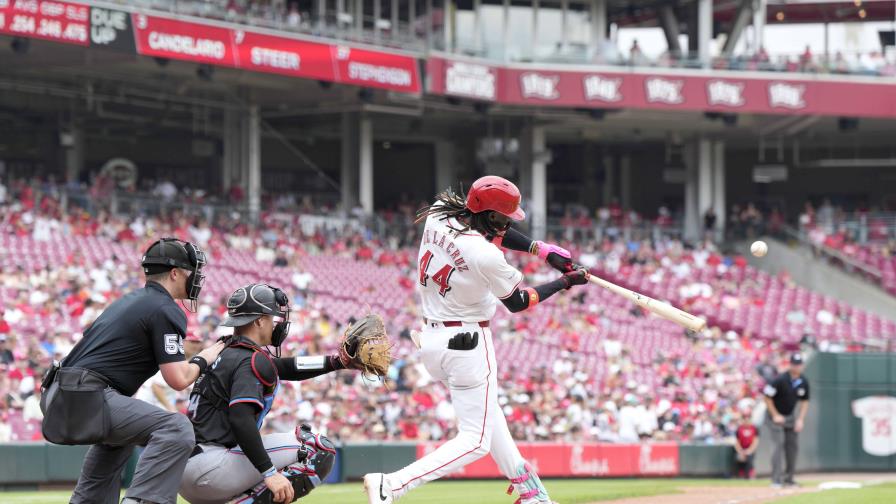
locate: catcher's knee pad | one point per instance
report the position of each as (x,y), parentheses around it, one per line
(528,485)
(317,453)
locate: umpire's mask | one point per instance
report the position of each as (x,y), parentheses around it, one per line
(248,303)
(168,253)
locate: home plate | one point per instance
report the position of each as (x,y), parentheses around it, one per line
(841,485)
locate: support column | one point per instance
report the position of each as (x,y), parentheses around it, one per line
(505,30)
(669,22)
(704,30)
(321,21)
(625,181)
(718,186)
(74,152)
(691,222)
(365,163)
(609,179)
(539,205)
(598,23)
(233,151)
(742,18)
(759,14)
(591,185)
(446,174)
(704,180)
(253,152)
(477,25)
(533,176)
(348,179)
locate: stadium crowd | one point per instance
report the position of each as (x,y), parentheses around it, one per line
(598,372)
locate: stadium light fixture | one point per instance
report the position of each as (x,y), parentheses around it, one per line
(205,72)
(20,45)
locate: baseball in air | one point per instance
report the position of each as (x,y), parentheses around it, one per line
(759,248)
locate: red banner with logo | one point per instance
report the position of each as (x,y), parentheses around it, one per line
(57,21)
(668,90)
(581,460)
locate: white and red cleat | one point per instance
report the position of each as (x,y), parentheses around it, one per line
(377,488)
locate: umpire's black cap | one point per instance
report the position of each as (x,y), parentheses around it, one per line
(252,301)
(165,254)
(796,358)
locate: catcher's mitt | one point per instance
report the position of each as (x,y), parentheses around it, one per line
(366,347)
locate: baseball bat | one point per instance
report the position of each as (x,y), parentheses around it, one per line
(662,309)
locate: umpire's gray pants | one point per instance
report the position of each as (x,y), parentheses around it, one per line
(168,438)
(218,474)
(784,439)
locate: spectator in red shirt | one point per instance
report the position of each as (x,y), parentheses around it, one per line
(745,446)
(4,325)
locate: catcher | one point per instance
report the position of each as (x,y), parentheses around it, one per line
(232,461)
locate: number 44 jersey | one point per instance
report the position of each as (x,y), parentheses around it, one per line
(461,276)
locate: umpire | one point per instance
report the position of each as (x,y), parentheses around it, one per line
(87,399)
(782,396)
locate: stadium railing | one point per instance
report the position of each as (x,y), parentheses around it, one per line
(426,32)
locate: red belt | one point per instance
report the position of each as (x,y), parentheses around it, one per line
(456,323)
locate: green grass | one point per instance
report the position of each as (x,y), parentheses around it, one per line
(467,492)
(877,494)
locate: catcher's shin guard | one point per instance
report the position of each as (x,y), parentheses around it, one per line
(528,486)
(317,452)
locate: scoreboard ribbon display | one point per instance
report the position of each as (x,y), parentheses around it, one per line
(201,42)
(57,21)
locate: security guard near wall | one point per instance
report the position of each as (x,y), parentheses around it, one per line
(87,399)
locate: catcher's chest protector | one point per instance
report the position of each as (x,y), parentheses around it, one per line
(214,384)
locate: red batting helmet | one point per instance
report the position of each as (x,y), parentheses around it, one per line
(495,193)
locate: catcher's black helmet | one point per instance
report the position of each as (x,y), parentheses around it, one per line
(255,300)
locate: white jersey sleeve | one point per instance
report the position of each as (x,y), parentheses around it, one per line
(502,278)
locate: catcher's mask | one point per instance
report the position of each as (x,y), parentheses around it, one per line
(168,253)
(249,303)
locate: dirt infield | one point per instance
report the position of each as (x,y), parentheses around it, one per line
(751,494)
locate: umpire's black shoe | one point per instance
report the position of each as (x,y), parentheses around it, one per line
(791,483)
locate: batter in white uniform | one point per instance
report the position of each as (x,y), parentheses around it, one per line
(462,275)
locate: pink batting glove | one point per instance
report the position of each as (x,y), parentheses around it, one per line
(542,250)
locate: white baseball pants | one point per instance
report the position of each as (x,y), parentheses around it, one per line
(471,377)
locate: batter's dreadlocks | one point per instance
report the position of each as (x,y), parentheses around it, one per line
(451,205)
